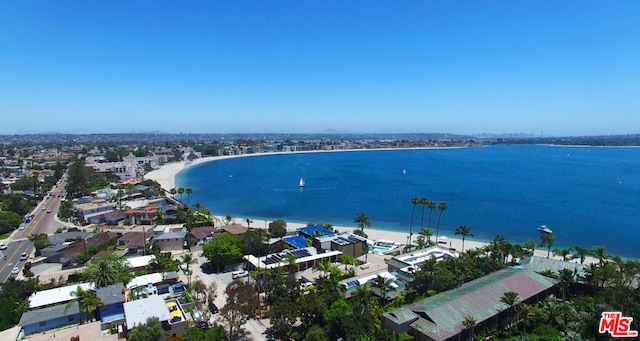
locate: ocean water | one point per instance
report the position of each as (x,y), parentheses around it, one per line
(588,196)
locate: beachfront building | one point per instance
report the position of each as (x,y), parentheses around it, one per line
(347,243)
(396,286)
(305,258)
(405,265)
(441,317)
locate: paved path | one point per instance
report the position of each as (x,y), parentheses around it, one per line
(253,327)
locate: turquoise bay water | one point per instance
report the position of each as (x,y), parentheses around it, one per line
(588,196)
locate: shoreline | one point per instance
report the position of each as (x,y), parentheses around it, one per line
(167,173)
(166,177)
(398,237)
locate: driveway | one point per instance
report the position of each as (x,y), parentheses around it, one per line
(253,327)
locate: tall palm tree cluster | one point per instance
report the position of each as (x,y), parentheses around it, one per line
(322,312)
(425,232)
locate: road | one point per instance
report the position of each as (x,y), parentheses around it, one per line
(13,252)
(44,214)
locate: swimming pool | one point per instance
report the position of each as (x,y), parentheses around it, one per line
(379,249)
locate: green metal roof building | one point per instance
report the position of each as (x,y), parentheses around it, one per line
(440,317)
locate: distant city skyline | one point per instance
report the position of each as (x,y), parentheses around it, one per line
(544,68)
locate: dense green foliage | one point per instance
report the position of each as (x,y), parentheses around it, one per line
(82,180)
(214,333)
(107,270)
(13,299)
(150,331)
(223,249)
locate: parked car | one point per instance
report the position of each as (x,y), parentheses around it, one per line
(196,314)
(213,308)
(239,274)
(24,256)
(15,271)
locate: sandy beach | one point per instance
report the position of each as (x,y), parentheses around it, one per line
(166,175)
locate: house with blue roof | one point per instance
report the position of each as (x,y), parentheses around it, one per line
(314,231)
(296,242)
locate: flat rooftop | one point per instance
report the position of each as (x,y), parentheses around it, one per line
(57,295)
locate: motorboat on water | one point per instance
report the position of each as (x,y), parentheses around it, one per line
(302,184)
(544,229)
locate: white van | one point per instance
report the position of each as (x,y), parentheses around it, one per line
(239,274)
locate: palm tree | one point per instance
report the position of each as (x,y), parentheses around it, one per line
(188,259)
(188,191)
(600,252)
(546,240)
(180,191)
(107,270)
(324,267)
(563,252)
(363,220)
(90,302)
(464,231)
(415,201)
(469,322)
(431,205)
(567,278)
(364,293)
(442,206)
(173,192)
(198,287)
(581,253)
(249,221)
(510,298)
(384,284)
(346,259)
(80,295)
(427,232)
(530,246)
(290,260)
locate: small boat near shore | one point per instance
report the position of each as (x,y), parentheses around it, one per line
(545,229)
(302,184)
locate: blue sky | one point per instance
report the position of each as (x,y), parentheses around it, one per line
(466,67)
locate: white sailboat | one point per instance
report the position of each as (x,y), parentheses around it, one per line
(404,172)
(302,184)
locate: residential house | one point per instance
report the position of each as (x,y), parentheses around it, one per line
(93,211)
(203,234)
(39,320)
(112,308)
(171,214)
(49,309)
(134,242)
(143,215)
(172,241)
(235,229)
(303,259)
(170,314)
(347,243)
(68,256)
